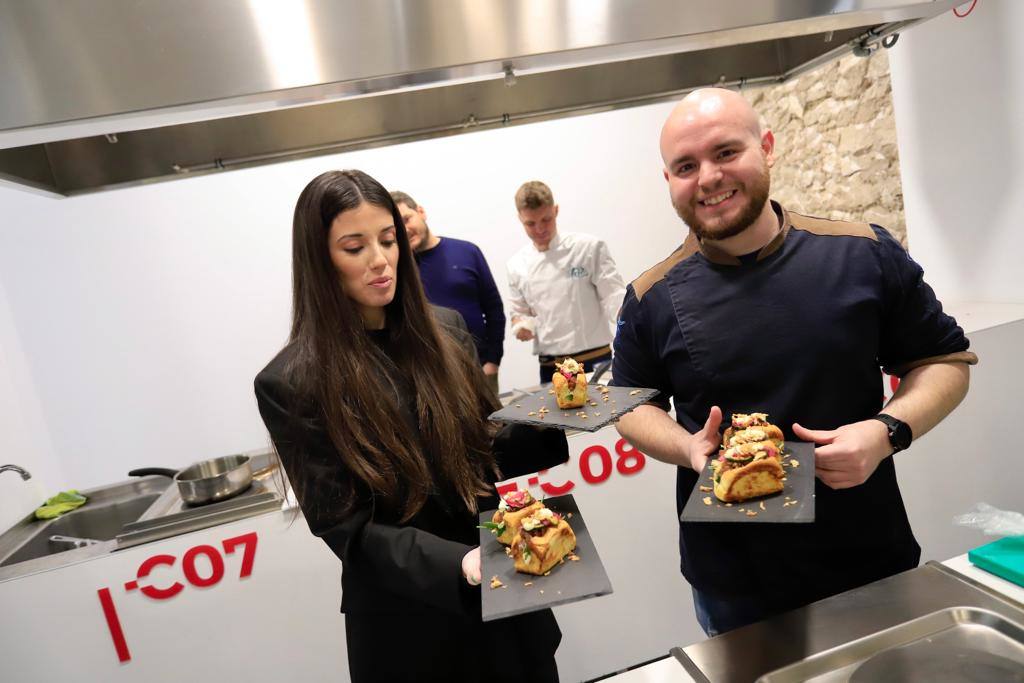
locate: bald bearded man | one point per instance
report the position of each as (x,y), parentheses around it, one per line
(765,310)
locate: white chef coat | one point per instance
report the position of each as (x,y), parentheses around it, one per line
(571,293)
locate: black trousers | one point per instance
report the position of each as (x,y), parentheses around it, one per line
(421,648)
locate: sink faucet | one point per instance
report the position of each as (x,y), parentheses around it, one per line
(14,468)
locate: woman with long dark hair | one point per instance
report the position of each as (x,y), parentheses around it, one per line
(377,409)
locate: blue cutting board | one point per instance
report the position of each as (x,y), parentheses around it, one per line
(1004,558)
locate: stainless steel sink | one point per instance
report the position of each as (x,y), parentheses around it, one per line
(99,523)
(953,644)
(928,624)
(124,515)
(83,533)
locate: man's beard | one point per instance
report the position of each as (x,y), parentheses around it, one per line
(716,230)
(424,239)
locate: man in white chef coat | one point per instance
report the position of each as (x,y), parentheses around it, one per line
(565,288)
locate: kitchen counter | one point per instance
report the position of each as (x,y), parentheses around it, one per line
(961,565)
(215,596)
(164,515)
(170,516)
(667,670)
(833,622)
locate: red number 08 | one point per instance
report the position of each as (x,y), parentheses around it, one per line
(630,461)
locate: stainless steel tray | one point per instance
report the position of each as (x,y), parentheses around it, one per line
(953,644)
(174,517)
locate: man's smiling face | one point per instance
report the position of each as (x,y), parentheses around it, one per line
(717,167)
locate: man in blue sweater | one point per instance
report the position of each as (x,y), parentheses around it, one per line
(455,275)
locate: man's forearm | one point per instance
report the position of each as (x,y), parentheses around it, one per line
(927,394)
(656,434)
(517,306)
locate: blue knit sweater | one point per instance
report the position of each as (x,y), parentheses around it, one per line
(455,275)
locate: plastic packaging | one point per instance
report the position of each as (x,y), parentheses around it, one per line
(993,521)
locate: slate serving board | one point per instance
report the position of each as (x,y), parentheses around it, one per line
(799,486)
(620,401)
(567,582)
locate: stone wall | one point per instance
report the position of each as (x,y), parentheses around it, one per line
(835,142)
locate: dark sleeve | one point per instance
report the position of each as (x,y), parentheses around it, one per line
(523,449)
(411,563)
(494,313)
(915,330)
(635,361)
(454,324)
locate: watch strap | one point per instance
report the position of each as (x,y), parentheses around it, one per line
(900,434)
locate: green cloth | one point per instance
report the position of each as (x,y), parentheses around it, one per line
(65,501)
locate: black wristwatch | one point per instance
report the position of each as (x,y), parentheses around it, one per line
(900,434)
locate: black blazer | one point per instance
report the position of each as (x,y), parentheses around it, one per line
(391,568)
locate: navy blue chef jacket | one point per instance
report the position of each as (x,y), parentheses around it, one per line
(799,330)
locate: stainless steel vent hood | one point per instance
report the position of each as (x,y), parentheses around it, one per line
(99,94)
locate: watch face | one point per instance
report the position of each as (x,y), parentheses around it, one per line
(900,436)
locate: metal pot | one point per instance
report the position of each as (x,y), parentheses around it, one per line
(209,480)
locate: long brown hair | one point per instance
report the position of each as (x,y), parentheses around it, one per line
(349,377)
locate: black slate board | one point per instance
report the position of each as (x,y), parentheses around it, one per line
(799,486)
(620,401)
(567,582)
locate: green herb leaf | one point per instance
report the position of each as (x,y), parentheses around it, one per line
(495,528)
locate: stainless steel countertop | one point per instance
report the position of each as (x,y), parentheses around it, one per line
(755,650)
(166,517)
(170,516)
(171,503)
(22,532)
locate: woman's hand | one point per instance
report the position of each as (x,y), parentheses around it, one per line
(471,566)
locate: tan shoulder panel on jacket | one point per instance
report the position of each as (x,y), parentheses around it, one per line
(959,357)
(652,276)
(824,226)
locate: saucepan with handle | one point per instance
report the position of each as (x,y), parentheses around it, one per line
(209,480)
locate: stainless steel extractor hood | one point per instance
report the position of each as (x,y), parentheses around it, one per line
(99,94)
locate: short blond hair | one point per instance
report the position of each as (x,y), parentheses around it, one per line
(533,194)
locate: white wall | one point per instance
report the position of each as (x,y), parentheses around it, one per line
(964,460)
(142,315)
(23,434)
(958,92)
